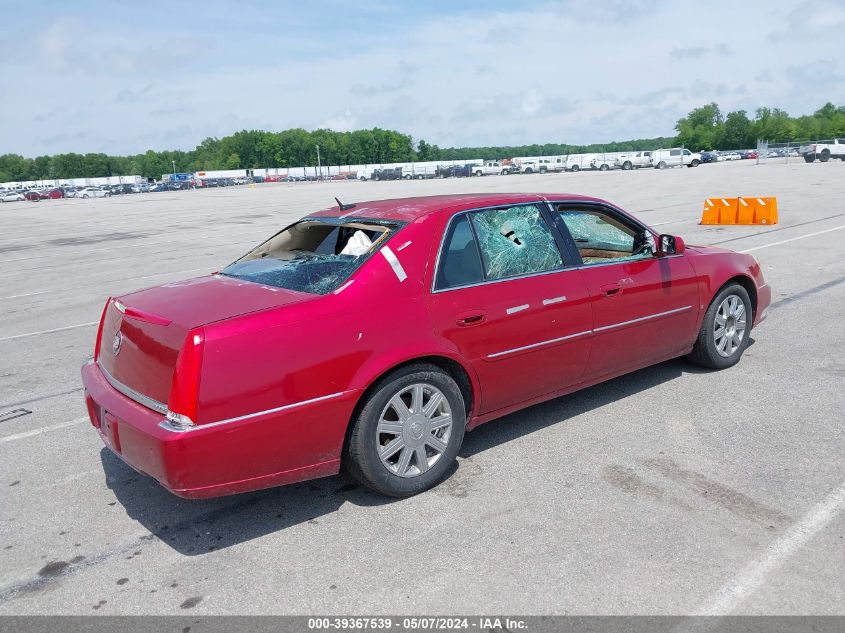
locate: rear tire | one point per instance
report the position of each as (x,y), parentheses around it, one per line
(402,453)
(661,165)
(725,329)
(825,156)
(575,168)
(627,165)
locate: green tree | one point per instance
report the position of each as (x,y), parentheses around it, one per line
(738,132)
(702,128)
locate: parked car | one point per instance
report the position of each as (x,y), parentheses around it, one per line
(388,173)
(538,166)
(603,162)
(636,160)
(824,151)
(729,156)
(32,195)
(279,368)
(454,171)
(675,157)
(51,194)
(11,196)
(491,168)
(709,157)
(93,192)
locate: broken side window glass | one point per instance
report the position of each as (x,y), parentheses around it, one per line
(310,256)
(515,241)
(601,237)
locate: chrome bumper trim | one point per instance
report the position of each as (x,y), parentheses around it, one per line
(130,393)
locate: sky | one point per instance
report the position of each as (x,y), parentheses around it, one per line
(124,77)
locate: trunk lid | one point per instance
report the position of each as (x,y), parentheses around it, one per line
(143,332)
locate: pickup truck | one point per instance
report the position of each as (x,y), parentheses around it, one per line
(491,168)
(634,161)
(824,151)
(538,166)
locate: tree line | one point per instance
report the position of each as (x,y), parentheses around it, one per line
(703,128)
(706,128)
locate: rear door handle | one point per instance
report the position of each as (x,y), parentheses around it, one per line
(470,318)
(611,290)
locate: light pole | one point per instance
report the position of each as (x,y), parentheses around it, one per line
(319,167)
(174,170)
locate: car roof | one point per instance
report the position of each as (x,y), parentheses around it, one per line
(410,209)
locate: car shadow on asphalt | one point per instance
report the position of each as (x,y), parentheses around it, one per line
(199,526)
(195,527)
(558,410)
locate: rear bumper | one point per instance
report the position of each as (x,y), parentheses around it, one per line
(260,452)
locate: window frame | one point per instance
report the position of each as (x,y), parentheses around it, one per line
(567,262)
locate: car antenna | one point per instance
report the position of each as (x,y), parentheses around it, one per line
(344,207)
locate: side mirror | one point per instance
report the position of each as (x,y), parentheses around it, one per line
(670,245)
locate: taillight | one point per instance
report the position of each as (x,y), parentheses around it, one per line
(99,340)
(185,389)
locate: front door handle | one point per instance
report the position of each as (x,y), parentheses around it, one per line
(470,318)
(611,290)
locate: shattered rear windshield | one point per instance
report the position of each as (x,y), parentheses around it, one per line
(314,256)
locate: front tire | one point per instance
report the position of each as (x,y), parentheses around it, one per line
(661,165)
(694,163)
(825,156)
(725,329)
(409,431)
(809,158)
(575,168)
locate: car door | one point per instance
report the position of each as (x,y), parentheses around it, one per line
(504,299)
(645,308)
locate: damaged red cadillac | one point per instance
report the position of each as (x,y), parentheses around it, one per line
(374,335)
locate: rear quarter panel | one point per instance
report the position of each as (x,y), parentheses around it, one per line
(339,343)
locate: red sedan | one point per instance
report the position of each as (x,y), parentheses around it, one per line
(374,335)
(32,195)
(51,194)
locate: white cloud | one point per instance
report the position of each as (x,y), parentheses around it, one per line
(560,72)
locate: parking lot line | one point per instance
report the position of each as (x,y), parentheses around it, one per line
(754,575)
(58,329)
(791,239)
(55,427)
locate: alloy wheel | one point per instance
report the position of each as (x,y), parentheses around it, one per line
(413,430)
(729,326)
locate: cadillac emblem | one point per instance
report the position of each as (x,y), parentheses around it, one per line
(116,343)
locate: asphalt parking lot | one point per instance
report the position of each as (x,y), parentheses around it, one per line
(669,491)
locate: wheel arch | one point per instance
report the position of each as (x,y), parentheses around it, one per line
(750,287)
(453,367)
